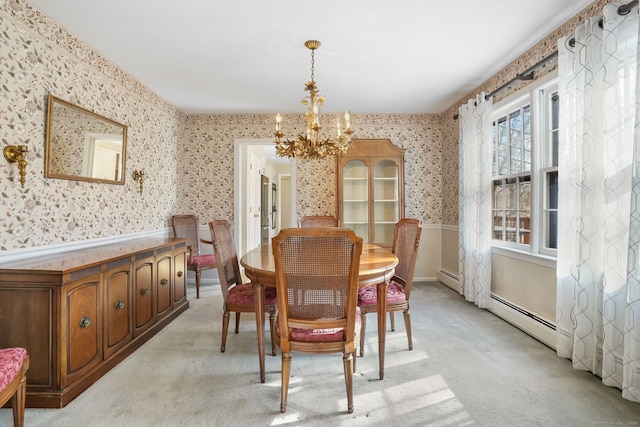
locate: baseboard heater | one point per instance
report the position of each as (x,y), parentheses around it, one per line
(449,279)
(534,325)
(524,312)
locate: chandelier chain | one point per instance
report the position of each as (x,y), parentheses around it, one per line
(313,65)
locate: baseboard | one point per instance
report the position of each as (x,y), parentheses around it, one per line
(532,324)
(449,279)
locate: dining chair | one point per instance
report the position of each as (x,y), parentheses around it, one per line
(187,227)
(238,297)
(14,363)
(406,239)
(317,285)
(317,221)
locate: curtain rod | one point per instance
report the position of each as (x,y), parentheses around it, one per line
(528,73)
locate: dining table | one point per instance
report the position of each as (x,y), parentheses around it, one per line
(377,266)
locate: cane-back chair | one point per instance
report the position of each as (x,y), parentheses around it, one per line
(187,227)
(406,240)
(237,296)
(317,284)
(317,221)
(14,363)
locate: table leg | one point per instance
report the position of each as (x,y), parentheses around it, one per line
(382,323)
(258,292)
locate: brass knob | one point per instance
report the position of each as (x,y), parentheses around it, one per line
(164,282)
(119,304)
(84,322)
(180,273)
(144,292)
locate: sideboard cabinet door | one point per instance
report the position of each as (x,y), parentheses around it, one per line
(163,284)
(143,289)
(180,277)
(117,309)
(82,345)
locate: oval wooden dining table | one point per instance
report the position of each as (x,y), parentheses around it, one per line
(377,266)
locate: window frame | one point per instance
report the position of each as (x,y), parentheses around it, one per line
(537,96)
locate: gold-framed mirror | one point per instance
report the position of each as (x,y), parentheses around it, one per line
(82,145)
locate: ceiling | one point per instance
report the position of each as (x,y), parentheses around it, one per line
(248,56)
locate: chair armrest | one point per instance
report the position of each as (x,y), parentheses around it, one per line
(189,252)
(206,241)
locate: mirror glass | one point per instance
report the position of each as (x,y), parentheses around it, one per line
(82,145)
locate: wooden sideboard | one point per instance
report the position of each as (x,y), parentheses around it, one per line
(79,313)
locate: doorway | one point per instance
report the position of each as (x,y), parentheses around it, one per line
(254,158)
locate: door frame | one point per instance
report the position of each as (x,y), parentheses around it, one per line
(240,176)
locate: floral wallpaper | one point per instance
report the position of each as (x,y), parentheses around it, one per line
(208,146)
(38,57)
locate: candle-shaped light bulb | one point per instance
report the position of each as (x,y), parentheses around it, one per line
(346,119)
(338,126)
(278,121)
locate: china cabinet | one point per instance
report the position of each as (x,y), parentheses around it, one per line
(371,189)
(79,313)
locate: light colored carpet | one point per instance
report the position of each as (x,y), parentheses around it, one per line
(468,367)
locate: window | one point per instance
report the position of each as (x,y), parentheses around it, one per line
(525,169)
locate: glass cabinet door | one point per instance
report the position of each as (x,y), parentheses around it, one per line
(371,189)
(356,197)
(385,201)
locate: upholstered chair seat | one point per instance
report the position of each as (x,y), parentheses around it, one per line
(368,295)
(244,295)
(14,363)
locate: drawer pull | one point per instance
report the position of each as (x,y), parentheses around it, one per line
(144,292)
(119,304)
(84,322)
(180,273)
(164,282)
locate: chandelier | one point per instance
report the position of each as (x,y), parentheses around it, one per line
(312,145)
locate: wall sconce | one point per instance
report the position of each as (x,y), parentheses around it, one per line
(16,154)
(138,176)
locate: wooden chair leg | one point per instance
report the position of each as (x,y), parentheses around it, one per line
(286,372)
(272,328)
(237,321)
(407,326)
(392,321)
(354,362)
(348,379)
(18,402)
(198,283)
(225,328)
(363,328)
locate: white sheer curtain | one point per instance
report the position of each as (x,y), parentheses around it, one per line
(598,277)
(475,158)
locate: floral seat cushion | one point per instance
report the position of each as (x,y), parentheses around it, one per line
(368,295)
(243,295)
(321,335)
(203,260)
(11,360)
